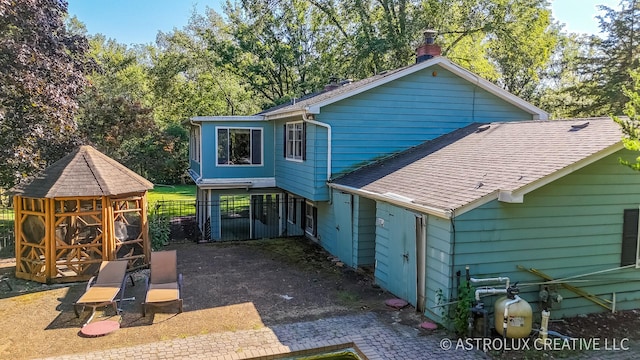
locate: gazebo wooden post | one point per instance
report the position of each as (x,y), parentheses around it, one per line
(50,236)
(145,229)
(108,232)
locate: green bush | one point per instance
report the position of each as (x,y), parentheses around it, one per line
(159,231)
(462,310)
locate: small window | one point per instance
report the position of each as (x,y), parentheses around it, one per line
(629,254)
(294,141)
(194,149)
(291,209)
(311,217)
(241,146)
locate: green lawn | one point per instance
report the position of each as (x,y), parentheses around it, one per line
(172,201)
(172,193)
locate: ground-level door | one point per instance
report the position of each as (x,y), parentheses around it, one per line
(343,212)
(402,255)
(250,216)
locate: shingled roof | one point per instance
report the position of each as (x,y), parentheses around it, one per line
(84,172)
(480,163)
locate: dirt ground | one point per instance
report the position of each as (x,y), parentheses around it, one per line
(227,287)
(230,286)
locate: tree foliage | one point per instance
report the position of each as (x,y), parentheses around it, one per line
(288,48)
(186,80)
(134,102)
(41,76)
(630,125)
(602,65)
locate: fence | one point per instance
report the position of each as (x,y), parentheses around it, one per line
(233,217)
(7,235)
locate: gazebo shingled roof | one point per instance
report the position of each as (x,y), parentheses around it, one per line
(83,209)
(84,172)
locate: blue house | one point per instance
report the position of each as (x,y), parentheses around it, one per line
(287,154)
(544,203)
(359,169)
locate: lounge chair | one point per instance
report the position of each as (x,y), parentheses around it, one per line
(103,291)
(164,284)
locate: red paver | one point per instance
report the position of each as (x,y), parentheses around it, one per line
(100,328)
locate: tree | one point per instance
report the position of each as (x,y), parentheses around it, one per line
(631,125)
(289,48)
(604,63)
(113,108)
(187,80)
(269,44)
(41,76)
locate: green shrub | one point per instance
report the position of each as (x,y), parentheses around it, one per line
(462,310)
(159,231)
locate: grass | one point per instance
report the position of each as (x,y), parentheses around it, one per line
(175,200)
(172,193)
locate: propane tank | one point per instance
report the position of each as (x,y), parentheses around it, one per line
(513,315)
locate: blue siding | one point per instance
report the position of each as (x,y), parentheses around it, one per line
(385,120)
(572,226)
(405,113)
(210,169)
(305,178)
(364,233)
(327,236)
(438,266)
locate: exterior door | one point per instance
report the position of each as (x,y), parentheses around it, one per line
(343,214)
(402,255)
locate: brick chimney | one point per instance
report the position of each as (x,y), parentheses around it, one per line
(429,49)
(333,84)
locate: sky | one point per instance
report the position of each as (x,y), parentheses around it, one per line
(138,21)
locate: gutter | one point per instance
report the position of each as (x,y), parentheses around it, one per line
(445,214)
(309,119)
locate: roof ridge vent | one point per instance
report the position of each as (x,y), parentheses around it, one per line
(483,128)
(577,127)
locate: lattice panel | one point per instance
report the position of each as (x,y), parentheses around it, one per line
(78,236)
(31,239)
(129,232)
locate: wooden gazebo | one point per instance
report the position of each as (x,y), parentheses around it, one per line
(83,209)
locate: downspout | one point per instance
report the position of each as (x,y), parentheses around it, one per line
(310,120)
(422,264)
(453,250)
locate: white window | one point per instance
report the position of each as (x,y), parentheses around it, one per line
(311,217)
(194,149)
(239,146)
(291,209)
(294,142)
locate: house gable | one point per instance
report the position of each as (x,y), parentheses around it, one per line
(314,103)
(387,119)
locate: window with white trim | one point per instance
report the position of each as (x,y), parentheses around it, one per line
(294,141)
(239,146)
(291,209)
(194,149)
(311,217)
